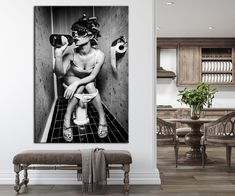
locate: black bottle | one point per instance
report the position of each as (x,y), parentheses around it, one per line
(56,40)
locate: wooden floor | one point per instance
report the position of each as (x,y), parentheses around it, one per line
(214,180)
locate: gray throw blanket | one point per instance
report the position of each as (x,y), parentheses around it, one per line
(93,169)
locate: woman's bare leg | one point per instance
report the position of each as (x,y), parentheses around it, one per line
(72,103)
(90,87)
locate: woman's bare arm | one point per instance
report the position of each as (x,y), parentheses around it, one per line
(72,87)
(62,60)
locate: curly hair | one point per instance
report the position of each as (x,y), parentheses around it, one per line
(88,25)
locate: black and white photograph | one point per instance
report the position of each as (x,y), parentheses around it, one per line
(81,74)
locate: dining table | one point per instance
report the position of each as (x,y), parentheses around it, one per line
(193,138)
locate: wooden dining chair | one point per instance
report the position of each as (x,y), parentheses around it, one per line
(166,134)
(219,132)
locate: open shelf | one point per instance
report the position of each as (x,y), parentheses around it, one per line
(217,72)
(217,66)
(217,58)
(217,53)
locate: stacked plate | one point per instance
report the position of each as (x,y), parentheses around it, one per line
(217,66)
(217,78)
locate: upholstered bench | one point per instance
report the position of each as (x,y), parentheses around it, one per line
(66,160)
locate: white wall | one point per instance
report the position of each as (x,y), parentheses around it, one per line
(167,90)
(17,90)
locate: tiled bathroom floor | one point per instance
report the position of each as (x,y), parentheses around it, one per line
(116,134)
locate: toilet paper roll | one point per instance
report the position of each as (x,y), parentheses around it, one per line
(116,51)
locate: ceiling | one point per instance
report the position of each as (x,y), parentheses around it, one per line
(192,18)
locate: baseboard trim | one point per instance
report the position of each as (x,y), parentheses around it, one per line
(70,177)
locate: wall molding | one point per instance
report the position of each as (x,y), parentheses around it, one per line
(70,177)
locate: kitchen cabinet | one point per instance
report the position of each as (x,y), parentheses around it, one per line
(210,60)
(188,70)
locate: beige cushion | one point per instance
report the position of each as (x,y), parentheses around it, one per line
(181,132)
(68,157)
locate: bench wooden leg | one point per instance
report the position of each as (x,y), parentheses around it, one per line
(26,179)
(126,169)
(17,178)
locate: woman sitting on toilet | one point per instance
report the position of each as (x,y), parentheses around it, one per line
(79,67)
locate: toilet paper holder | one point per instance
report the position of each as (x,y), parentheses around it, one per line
(118,49)
(121,39)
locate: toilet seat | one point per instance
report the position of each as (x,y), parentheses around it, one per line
(81,117)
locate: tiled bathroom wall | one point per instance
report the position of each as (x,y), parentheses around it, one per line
(114,86)
(43,77)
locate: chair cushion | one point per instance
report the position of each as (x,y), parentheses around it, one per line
(181,132)
(68,157)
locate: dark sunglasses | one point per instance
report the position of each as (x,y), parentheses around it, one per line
(80,33)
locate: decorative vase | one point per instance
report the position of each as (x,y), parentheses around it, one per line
(195,112)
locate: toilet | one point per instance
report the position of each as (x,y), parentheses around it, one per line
(80,116)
